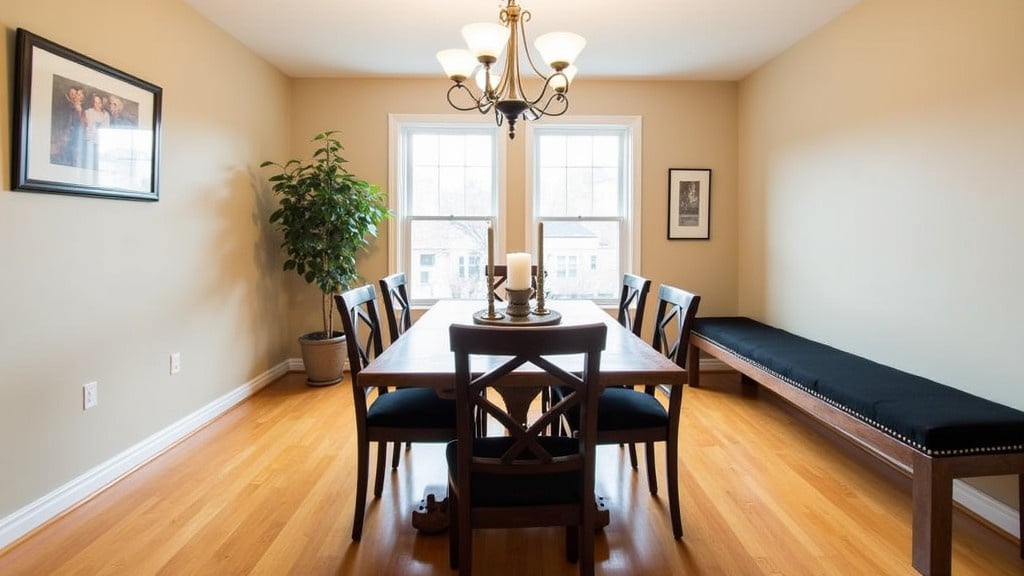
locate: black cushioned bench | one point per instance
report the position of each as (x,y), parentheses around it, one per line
(932,432)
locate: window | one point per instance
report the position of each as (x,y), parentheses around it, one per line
(584,178)
(446,196)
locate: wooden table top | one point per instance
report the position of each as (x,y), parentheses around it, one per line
(423,356)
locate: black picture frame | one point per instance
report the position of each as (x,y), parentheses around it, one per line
(107,144)
(689,204)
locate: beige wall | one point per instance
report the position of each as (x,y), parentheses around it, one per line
(880,191)
(105,290)
(685,125)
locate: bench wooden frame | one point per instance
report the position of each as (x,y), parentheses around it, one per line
(932,478)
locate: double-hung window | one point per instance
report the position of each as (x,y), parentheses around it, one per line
(445,197)
(586,192)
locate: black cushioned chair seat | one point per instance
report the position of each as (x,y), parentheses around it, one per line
(526,490)
(937,419)
(411,408)
(627,409)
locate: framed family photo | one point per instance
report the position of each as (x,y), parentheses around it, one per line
(689,204)
(82,127)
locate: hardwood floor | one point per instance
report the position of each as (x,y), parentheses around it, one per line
(266,489)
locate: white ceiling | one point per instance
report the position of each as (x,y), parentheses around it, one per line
(679,39)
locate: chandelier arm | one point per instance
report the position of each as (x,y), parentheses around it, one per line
(478,102)
(562,106)
(544,92)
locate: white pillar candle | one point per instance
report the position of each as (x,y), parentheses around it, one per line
(518,270)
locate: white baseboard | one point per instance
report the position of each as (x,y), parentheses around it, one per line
(991,510)
(67,496)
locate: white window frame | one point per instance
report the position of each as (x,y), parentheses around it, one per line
(629,256)
(400,229)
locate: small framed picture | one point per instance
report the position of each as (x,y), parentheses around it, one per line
(82,127)
(689,204)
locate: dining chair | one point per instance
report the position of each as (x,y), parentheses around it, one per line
(522,478)
(399,314)
(633,295)
(631,416)
(501,277)
(395,415)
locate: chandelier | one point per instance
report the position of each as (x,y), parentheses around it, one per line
(502,90)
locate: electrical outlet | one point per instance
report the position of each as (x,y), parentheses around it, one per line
(90,395)
(175,362)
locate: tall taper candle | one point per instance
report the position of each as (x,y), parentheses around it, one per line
(490,250)
(540,248)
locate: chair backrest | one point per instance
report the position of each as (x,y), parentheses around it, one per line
(634,293)
(361,321)
(501,276)
(519,450)
(396,304)
(676,311)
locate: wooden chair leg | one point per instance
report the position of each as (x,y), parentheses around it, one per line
(394,455)
(362,479)
(652,474)
(453,529)
(572,544)
(672,472)
(465,536)
(586,540)
(378,481)
(632,456)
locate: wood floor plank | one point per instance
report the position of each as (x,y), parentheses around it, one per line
(267,489)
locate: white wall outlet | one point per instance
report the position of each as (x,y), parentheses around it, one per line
(90,395)
(175,362)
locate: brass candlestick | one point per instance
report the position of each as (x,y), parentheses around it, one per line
(540,310)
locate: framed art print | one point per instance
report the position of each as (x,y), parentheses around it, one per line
(689,204)
(82,127)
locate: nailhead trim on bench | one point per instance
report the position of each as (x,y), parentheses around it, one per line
(901,438)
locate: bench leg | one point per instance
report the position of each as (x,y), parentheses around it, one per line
(933,517)
(1020,492)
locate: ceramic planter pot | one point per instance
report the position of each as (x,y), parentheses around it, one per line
(324,358)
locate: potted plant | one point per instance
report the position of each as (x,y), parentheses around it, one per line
(327,216)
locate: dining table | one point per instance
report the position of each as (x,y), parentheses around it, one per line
(423,356)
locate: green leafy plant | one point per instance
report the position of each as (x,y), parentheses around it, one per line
(327,216)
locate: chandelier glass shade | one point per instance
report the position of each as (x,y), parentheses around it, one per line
(502,90)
